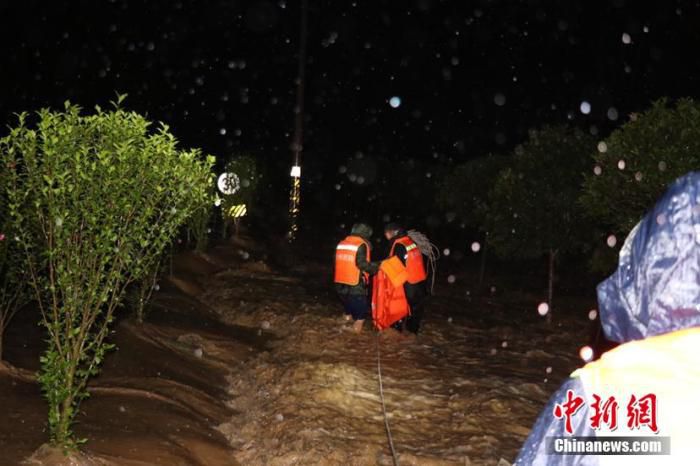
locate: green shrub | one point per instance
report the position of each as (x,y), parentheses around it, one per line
(637,162)
(14,291)
(106,194)
(533,206)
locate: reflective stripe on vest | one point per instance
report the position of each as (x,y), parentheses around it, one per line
(346,270)
(667,366)
(414,260)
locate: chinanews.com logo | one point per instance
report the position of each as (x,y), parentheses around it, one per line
(640,415)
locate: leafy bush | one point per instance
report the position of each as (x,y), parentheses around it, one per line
(198,224)
(106,194)
(13,280)
(637,162)
(533,206)
(464,191)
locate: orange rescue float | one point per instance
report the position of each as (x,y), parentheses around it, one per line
(389,304)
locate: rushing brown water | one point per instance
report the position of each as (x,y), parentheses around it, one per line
(285,381)
(466,391)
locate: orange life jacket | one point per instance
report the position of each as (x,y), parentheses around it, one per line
(414,260)
(389,303)
(346,270)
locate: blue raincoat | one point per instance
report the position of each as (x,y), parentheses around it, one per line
(655,290)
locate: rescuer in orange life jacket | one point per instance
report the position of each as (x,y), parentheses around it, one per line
(353,268)
(407,251)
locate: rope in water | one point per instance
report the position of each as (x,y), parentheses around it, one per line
(381,397)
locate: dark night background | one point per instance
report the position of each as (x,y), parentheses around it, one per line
(472,77)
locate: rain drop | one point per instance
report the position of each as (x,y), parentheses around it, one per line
(585,108)
(548,370)
(597,170)
(543,309)
(612,114)
(626,39)
(499,99)
(476,247)
(592,314)
(662,166)
(602,147)
(621,164)
(612,241)
(395,102)
(586,353)
(451,279)
(638,176)
(446,252)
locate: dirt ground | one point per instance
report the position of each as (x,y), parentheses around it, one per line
(159,398)
(238,363)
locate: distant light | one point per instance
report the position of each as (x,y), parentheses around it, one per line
(228,183)
(217,201)
(395,102)
(296,172)
(543,309)
(626,38)
(476,247)
(592,314)
(585,108)
(612,241)
(586,353)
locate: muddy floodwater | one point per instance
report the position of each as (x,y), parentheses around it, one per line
(239,363)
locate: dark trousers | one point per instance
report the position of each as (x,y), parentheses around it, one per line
(357,305)
(413,320)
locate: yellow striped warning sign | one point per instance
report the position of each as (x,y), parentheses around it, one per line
(237,211)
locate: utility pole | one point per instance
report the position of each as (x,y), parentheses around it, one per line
(298,142)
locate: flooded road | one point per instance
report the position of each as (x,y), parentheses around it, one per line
(239,364)
(465,391)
